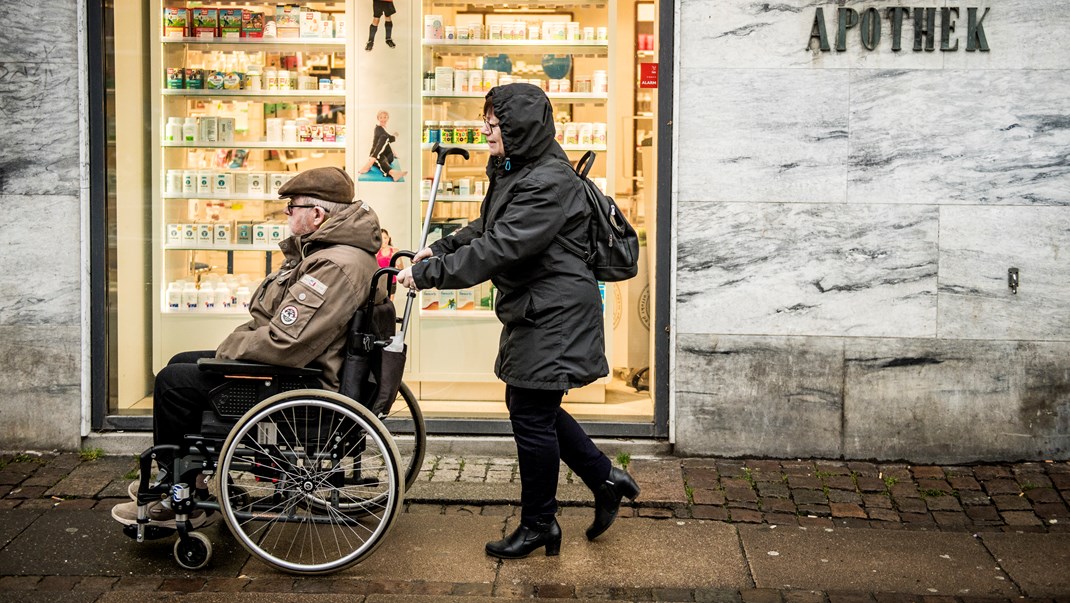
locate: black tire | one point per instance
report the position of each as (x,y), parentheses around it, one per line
(193,553)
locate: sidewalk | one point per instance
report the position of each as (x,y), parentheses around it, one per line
(733,531)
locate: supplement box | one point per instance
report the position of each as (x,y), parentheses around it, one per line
(225,129)
(189,233)
(276,232)
(466,299)
(428,300)
(261,234)
(205,22)
(175,22)
(230,22)
(310,24)
(288,21)
(243,233)
(252,24)
(221,236)
(256,183)
(204,234)
(174,234)
(447,299)
(275,182)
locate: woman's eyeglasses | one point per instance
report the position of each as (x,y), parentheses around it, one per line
(489,125)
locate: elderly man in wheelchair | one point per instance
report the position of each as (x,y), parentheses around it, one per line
(307,480)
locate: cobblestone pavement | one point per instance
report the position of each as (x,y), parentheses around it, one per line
(986,498)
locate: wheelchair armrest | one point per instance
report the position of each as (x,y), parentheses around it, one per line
(253,369)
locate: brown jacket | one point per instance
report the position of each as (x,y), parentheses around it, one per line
(300,313)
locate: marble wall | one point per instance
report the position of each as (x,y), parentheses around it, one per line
(846,221)
(40,192)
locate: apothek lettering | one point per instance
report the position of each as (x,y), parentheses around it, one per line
(870,25)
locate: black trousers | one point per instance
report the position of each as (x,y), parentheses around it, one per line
(179,396)
(545,435)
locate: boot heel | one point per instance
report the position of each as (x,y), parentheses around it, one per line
(553,548)
(630,490)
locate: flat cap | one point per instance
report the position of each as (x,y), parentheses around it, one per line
(325,184)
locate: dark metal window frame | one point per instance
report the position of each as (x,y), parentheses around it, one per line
(101,420)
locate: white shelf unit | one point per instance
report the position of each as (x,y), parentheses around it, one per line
(249,153)
(477,331)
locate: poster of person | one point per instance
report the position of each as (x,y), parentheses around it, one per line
(384,9)
(382,164)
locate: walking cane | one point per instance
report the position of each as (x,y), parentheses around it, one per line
(398,342)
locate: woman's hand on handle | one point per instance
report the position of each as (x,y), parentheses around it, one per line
(422,255)
(405,279)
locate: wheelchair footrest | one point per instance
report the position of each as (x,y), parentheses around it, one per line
(151,532)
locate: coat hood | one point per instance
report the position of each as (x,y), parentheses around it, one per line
(355,226)
(527,121)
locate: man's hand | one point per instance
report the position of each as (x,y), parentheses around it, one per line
(405,279)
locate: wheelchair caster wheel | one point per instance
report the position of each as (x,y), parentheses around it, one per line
(193,553)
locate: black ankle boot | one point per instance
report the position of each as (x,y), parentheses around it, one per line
(524,541)
(607,500)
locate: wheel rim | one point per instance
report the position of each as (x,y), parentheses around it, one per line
(286,454)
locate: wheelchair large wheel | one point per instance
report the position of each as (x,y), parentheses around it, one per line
(405,416)
(319,481)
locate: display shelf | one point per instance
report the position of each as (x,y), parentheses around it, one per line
(483,147)
(287,94)
(188,196)
(553,96)
(305,42)
(341,146)
(454,198)
(229,247)
(455,314)
(174,315)
(558,46)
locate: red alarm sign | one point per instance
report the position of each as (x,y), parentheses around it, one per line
(648,75)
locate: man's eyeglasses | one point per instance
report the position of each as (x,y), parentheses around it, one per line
(290,207)
(491,126)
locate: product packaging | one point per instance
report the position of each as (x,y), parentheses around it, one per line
(174,234)
(429,299)
(225,129)
(252,24)
(256,183)
(189,233)
(189,182)
(466,299)
(223,184)
(214,80)
(447,299)
(194,79)
(443,80)
(241,183)
(261,234)
(275,182)
(328,133)
(204,234)
(433,29)
(175,22)
(208,129)
(175,78)
(310,24)
(205,22)
(277,232)
(243,233)
(230,22)
(221,233)
(288,21)
(339,26)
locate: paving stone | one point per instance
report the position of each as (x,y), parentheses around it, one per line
(655,512)
(846,510)
(1020,518)
(814,522)
(845,496)
(838,597)
(900,491)
(708,497)
(911,505)
(797,468)
(1060,481)
(778,489)
(809,497)
(781,519)
(741,492)
(97,583)
(709,512)
(138,583)
(760,595)
(182,585)
(942,503)
(778,505)
(863,469)
(896,598)
(964,483)
(745,516)
(58,583)
(815,510)
(472,589)
(1052,510)
(1005,502)
(234,585)
(1002,486)
(917,519)
(871,484)
(987,472)
(840,482)
(898,471)
(90,477)
(661,481)
(270,585)
(1043,495)
(927,472)
(1038,563)
(744,504)
(983,513)
(930,486)
(27,492)
(703,478)
(882,514)
(18,582)
(804,482)
(951,519)
(879,501)
(974,498)
(518,591)
(671,594)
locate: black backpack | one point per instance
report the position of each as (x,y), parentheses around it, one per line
(614,253)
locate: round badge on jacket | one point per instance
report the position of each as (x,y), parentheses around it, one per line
(288,315)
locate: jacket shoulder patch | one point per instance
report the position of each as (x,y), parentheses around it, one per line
(314,284)
(288,315)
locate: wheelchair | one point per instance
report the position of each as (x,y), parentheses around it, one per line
(309,481)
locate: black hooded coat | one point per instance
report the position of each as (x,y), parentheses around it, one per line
(548,300)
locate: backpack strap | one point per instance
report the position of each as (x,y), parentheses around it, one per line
(583,167)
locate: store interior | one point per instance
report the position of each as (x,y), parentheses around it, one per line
(205,126)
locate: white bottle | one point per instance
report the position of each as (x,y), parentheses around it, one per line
(289,131)
(243,297)
(173,131)
(206,298)
(189,130)
(189,297)
(222,298)
(174,296)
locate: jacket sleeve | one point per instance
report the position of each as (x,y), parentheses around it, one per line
(526,227)
(458,239)
(306,322)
